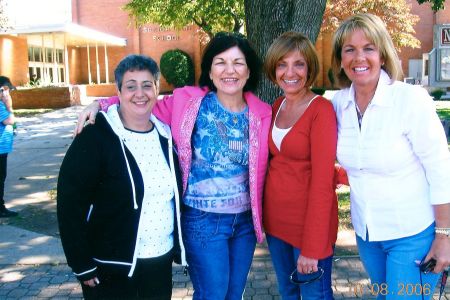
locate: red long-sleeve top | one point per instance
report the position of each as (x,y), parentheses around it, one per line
(300,202)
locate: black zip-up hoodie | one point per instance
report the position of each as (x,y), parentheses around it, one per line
(98,213)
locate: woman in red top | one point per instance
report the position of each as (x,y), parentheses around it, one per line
(300,203)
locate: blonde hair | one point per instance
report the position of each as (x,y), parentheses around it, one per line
(285,43)
(375,30)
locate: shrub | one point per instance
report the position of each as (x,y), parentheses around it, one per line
(437,94)
(318,90)
(177,68)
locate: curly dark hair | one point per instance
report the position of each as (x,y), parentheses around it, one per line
(221,42)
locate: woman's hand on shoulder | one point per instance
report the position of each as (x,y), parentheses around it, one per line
(88,115)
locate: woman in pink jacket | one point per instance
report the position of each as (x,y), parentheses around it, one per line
(220,130)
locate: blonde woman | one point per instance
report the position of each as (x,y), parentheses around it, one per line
(394,149)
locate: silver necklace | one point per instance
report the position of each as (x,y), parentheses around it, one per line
(361,114)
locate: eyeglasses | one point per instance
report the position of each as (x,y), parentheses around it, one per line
(299,279)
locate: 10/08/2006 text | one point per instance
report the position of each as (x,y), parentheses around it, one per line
(375,289)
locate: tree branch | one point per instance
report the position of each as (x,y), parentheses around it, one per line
(204,26)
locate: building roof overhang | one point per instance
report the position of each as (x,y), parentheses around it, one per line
(70,33)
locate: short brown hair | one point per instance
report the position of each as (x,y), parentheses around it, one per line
(288,42)
(376,32)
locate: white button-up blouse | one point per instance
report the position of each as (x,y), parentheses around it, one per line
(398,163)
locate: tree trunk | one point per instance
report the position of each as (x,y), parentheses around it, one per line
(267,19)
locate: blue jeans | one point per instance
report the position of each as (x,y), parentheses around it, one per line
(284,258)
(392,269)
(219,251)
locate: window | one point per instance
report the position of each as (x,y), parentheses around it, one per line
(60,55)
(61,74)
(49,71)
(445,64)
(49,55)
(37,54)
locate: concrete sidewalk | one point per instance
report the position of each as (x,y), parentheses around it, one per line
(33,266)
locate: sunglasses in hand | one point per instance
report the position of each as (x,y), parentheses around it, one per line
(299,279)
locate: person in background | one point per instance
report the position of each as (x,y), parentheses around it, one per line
(300,202)
(393,147)
(220,130)
(118,195)
(7,120)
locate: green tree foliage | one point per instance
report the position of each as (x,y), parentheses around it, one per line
(228,15)
(435,4)
(177,68)
(395,13)
(210,15)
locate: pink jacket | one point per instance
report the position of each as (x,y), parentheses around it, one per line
(180,110)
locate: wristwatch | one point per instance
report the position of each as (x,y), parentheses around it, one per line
(444,231)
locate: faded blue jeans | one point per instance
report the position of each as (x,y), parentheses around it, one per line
(284,258)
(219,251)
(392,269)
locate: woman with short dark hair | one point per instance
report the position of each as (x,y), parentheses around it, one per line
(118,198)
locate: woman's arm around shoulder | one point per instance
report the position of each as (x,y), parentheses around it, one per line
(89,113)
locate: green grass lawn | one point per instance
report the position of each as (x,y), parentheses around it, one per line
(345,221)
(444,113)
(443,109)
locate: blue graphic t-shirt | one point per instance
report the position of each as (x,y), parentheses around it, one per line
(218,179)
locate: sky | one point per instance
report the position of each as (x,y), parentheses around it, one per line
(23,13)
